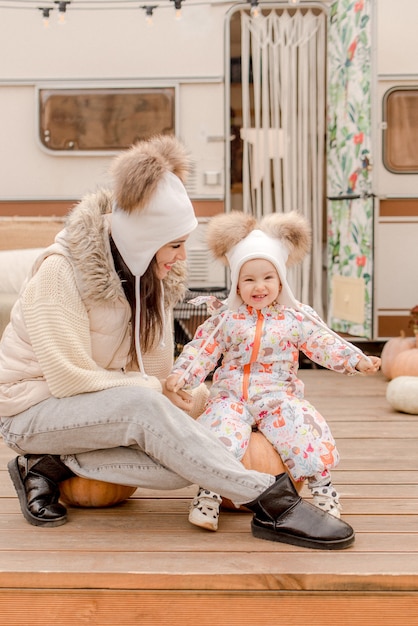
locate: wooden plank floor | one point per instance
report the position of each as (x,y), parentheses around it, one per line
(143,563)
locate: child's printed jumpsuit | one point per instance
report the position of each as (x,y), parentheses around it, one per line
(256,383)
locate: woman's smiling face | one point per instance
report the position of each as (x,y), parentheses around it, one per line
(169,254)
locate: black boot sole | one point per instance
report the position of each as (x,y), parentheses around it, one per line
(271,535)
(17,481)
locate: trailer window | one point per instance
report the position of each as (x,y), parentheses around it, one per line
(400,134)
(103,119)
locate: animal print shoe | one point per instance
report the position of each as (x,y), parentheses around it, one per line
(327,499)
(204,510)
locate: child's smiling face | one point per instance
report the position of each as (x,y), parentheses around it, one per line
(258,283)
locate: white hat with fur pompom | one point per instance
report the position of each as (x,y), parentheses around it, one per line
(151,206)
(284,239)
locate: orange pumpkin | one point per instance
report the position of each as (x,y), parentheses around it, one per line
(83,492)
(392,348)
(406,363)
(261,456)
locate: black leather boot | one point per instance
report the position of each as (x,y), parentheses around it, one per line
(280,514)
(35,478)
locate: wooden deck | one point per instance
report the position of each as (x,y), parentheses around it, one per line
(143,563)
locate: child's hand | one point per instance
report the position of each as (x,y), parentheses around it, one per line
(172,382)
(180,398)
(369,366)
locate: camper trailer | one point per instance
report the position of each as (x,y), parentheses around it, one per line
(282,105)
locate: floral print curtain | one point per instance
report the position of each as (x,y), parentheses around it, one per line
(349,219)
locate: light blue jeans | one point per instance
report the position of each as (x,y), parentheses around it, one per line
(132,436)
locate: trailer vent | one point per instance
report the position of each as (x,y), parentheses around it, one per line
(191,183)
(204,271)
(198,267)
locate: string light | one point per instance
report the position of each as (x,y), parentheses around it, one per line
(45,14)
(62,8)
(255,11)
(118,5)
(177,6)
(148,13)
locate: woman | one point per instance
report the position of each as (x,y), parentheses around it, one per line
(75,396)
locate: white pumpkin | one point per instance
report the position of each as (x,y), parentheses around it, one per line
(402,394)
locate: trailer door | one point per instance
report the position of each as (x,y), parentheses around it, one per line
(280,119)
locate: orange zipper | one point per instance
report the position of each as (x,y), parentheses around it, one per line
(254,354)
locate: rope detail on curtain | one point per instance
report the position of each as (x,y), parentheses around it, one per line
(283,110)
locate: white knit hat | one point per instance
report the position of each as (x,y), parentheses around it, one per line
(151,207)
(283,239)
(169,215)
(259,245)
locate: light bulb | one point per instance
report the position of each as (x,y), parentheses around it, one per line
(177,6)
(255,9)
(62,9)
(45,15)
(149,10)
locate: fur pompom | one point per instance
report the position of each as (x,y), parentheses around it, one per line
(174,153)
(226,230)
(294,232)
(137,171)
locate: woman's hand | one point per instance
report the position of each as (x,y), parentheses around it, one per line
(180,398)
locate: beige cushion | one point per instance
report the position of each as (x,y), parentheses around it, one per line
(21,240)
(15,266)
(7,301)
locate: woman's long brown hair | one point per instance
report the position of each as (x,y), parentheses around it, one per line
(151,317)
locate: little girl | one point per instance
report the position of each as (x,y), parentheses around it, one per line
(258,335)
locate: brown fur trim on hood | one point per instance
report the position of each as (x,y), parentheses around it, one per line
(86,239)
